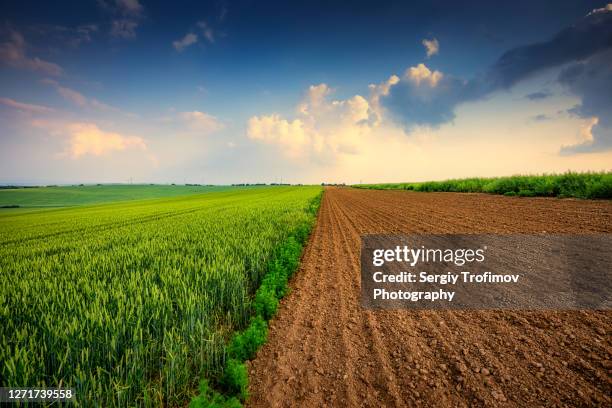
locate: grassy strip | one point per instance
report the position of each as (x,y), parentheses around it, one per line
(579,185)
(231,388)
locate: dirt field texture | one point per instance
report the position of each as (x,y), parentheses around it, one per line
(325,350)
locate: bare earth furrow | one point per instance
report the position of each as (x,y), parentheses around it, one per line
(325,350)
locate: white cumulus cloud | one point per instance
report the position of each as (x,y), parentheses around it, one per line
(380,90)
(432,47)
(89,139)
(422,74)
(323,129)
(292,136)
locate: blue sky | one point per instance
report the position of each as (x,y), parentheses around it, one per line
(223,91)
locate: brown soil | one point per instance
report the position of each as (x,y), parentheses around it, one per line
(325,350)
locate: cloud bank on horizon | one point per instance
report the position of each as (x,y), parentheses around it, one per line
(422,96)
(213,131)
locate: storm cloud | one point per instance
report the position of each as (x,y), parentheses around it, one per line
(591,80)
(418,103)
(588,36)
(583,50)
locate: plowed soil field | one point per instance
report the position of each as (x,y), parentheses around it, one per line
(325,350)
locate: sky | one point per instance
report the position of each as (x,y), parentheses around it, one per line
(223,92)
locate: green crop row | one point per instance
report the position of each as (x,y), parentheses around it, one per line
(132,304)
(233,381)
(591,185)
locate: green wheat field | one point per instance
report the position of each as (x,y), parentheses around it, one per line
(133,303)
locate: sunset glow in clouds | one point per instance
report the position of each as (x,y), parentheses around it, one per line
(234,92)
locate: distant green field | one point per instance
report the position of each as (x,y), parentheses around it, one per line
(68,196)
(578,185)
